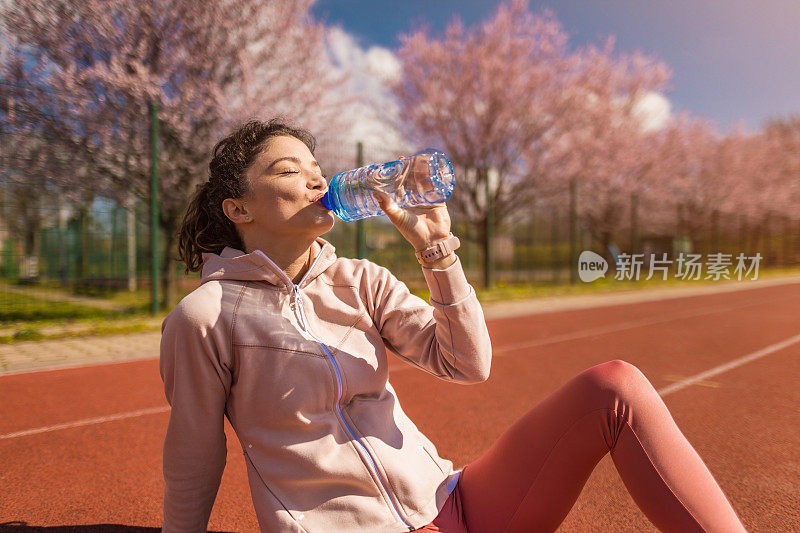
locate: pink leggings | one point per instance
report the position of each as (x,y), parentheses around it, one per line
(529,479)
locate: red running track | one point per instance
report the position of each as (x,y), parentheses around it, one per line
(82,446)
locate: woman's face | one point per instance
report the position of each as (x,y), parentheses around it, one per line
(284,180)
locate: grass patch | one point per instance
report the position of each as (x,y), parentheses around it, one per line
(16,307)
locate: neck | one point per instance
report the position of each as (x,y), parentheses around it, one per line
(293,258)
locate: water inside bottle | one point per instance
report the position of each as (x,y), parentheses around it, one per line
(425,178)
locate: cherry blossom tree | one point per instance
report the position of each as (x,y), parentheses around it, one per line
(782,139)
(98,65)
(769,187)
(486,96)
(31,188)
(600,147)
(686,151)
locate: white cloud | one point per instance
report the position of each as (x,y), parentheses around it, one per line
(370,71)
(342,47)
(383,64)
(653,111)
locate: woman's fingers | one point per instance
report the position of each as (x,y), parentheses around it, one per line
(419,225)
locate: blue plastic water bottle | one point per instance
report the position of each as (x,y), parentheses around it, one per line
(425,178)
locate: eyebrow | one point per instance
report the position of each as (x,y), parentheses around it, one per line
(293,159)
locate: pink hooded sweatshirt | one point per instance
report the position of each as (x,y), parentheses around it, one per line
(301,372)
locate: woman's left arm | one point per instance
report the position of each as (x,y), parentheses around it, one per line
(448,338)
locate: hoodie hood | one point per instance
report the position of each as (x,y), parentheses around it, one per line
(233,264)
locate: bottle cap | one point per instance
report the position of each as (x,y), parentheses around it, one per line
(326,201)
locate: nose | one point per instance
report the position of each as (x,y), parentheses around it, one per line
(318,181)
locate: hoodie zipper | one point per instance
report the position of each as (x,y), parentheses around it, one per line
(300,316)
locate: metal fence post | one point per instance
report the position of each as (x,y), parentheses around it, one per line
(488,263)
(154,214)
(130,239)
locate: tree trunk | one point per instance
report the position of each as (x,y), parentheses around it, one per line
(634,223)
(112,249)
(787,241)
(83,238)
(64,246)
(488,230)
(715,231)
(554,243)
(31,246)
(573,231)
(768,255)
(169,287)
(755,237)
(30,229)
(605,242)
(742,234)
(796,251)
(483,232)
(530,259)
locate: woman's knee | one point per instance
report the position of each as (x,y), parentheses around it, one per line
(617,377)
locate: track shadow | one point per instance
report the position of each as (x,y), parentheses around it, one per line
(23,527)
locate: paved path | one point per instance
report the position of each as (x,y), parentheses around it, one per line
(38,355)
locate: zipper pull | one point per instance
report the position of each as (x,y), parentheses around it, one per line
(298,307)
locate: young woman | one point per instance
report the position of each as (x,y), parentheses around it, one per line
(289,342)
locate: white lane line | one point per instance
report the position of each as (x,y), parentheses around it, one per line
(85,422)
(729,366)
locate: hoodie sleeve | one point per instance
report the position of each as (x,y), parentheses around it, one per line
(196,385)
(448,338)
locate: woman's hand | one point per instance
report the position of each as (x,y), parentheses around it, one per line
(421,225)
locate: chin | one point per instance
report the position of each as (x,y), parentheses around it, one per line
(327,225)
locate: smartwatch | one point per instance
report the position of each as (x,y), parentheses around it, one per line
(438,250)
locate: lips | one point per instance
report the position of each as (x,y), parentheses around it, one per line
(318,202)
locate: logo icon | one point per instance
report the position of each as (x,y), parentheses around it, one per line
(591,266)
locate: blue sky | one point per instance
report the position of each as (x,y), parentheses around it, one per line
(731,59)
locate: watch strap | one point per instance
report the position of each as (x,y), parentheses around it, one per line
(438,250)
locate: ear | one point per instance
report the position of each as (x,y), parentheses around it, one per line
(236,210)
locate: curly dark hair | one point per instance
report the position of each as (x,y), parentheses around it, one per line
(205,228)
